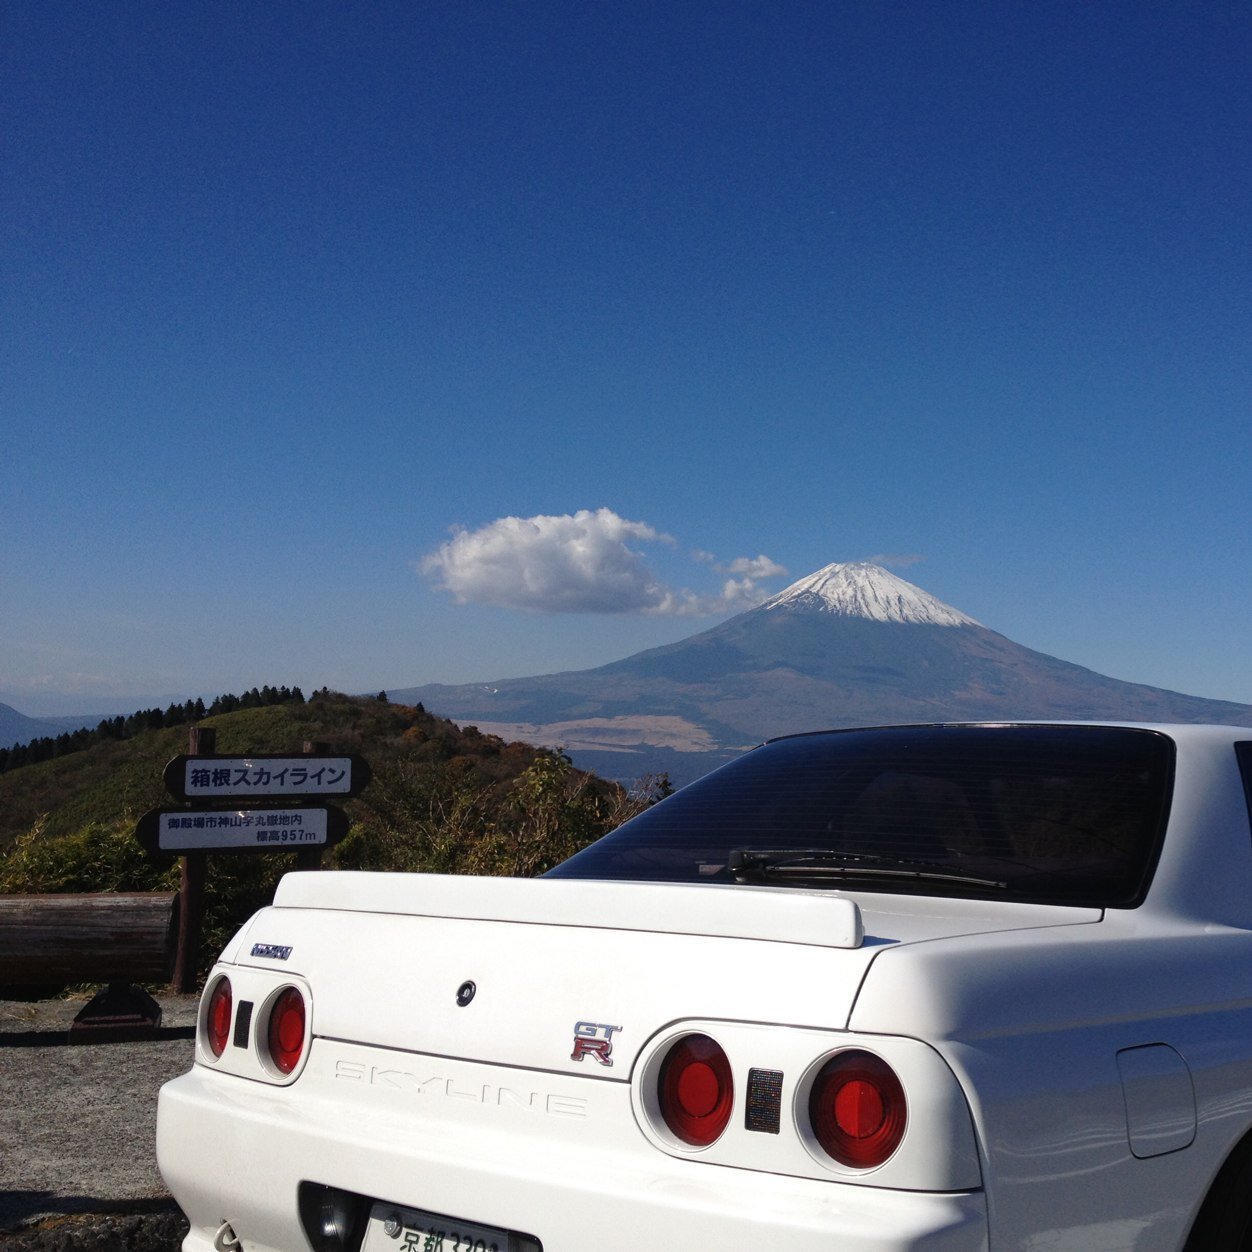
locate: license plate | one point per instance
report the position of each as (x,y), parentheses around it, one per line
(394,1229)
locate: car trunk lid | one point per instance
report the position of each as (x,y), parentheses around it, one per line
(515,971)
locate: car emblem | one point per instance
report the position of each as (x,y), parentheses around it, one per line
(465,993)
(272,951)
(594,1039)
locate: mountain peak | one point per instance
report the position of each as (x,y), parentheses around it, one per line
(859,589)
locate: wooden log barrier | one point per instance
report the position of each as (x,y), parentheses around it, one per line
(95,937)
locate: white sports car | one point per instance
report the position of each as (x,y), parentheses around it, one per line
(940,987)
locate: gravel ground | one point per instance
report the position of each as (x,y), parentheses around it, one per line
(78,1128)
(101,1232)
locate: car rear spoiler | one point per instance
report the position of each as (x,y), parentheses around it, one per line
(782,915)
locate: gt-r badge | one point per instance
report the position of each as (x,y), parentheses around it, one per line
(594,1039)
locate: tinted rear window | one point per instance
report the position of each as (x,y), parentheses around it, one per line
(1049,814)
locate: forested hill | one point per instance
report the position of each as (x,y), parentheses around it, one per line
(442,799)
(30,749)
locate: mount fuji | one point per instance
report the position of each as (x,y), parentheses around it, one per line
(851,644)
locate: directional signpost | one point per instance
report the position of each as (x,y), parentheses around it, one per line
(260,803)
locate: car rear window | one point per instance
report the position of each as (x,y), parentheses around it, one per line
(1046,814)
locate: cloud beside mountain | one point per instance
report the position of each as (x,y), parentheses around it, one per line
(584,562)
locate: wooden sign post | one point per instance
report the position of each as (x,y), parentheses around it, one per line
(256,803)
(193,868)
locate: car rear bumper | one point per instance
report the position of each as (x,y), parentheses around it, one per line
(567,1165)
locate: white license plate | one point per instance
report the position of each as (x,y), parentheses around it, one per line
(394,1229)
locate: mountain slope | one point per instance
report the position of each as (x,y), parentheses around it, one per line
(851,644)
(17,728)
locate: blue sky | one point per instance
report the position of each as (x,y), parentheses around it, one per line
(694,292)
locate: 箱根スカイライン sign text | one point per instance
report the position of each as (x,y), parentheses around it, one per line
(264,778)
(217,778)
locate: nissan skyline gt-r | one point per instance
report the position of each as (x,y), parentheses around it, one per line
(918,987)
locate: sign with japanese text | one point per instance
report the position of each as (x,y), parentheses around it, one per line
(214,778)
(222,830)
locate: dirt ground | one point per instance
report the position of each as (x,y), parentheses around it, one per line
(77,1131)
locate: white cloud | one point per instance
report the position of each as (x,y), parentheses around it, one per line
(565,564)
(68,683)
(754,567)
(900,560)
(579,563)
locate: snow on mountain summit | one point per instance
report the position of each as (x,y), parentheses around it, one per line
(858,589)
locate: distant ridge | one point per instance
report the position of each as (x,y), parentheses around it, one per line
(16,727)
(850,644)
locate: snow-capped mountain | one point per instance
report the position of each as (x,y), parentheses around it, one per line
(848,645)
(861,590)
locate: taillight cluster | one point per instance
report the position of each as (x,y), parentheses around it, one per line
(855,1111)
(254,1030)
(284,1035)
(696,1091)
(217,1017)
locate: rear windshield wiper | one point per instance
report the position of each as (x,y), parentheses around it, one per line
(818,864)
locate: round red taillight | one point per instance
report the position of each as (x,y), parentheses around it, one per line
(217,1017)
(695,1090)
(285,1036)
(857,1109)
